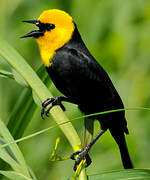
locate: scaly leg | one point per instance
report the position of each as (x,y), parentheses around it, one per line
(50,102)
(84,152)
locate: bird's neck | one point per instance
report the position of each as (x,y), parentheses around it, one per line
(77,43)
(52,41)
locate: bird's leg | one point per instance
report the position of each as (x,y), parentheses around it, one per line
(50,102)
(83,154)
(89,127)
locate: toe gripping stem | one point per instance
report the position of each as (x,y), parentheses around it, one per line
(50,102)
(83,154)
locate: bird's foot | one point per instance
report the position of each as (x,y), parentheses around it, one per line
(83,154)
(49,103)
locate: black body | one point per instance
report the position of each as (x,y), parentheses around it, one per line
(79,77)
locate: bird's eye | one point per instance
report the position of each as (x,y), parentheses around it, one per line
(45,26)
(49,27)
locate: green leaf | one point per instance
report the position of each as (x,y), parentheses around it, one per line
(14,175)
(19,78)
(7,158)
(25,107)
(4,64)
(32,173)
(54,156)
(36,99)
(132,174)
(21,114)
(15,151)
(6,74)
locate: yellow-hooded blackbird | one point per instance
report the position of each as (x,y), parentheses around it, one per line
(77,75)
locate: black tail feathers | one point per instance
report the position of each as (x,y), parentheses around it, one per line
(120,139)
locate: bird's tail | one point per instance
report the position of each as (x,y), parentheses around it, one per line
(120,139)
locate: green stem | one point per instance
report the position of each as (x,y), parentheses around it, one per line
(21,66)
(83,175)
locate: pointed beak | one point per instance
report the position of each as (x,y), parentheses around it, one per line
(32,21)
(35,33)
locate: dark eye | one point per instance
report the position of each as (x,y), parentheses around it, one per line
(48,27)
(45,26)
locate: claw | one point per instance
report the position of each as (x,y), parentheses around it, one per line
(88,160)
(49,103)
(42,113)
(74,154)
(47,113)
(62,107)
(83,154)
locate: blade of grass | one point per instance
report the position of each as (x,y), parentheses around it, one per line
(32,135)
(6,157)
(6,74)
(115,110)
(19,111)
(132,174)
(14,175)
(26,117)
(89,115)
(24,109)
(14,148)
(10,159)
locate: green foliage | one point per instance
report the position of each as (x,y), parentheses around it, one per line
(117,34)
(13,156)
(133,174)
(40,92)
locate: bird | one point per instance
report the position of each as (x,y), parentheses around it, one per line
(80,78)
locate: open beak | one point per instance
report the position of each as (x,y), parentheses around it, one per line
(35,33)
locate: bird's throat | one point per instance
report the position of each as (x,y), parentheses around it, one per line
(52,41)
(47,56)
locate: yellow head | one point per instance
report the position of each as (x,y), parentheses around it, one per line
(55,29)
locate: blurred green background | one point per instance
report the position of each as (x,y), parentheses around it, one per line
(118,35)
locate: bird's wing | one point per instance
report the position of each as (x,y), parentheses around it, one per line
(91,72)
(83,77)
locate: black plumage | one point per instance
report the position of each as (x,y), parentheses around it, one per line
(84,82)
(80,78)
